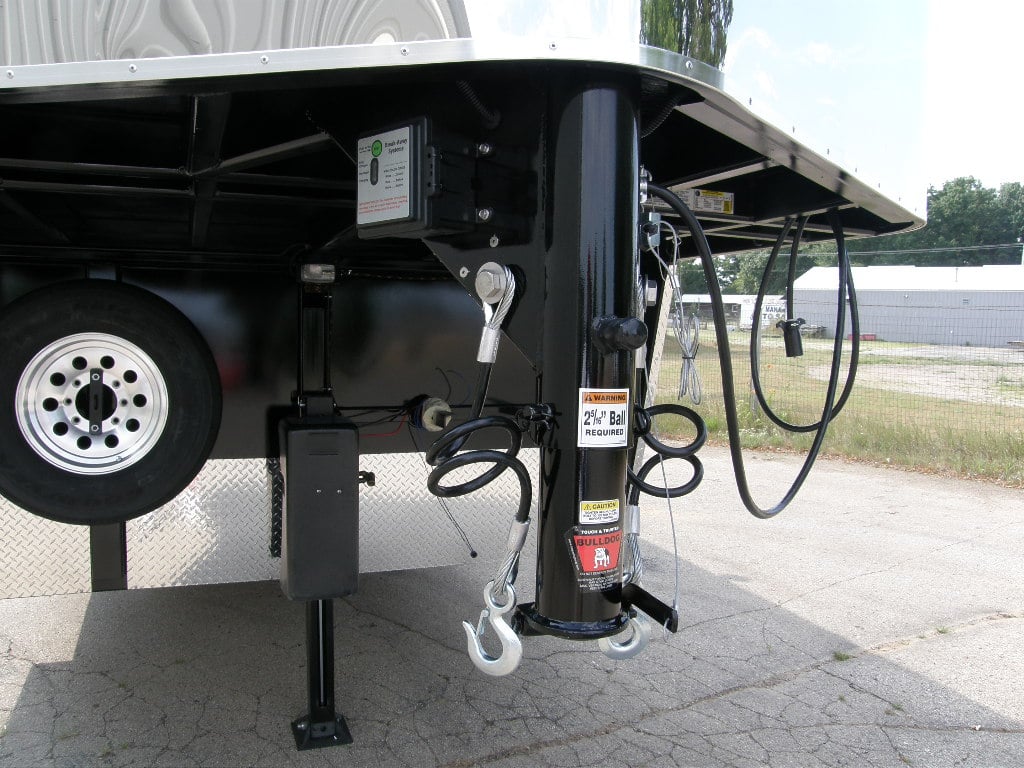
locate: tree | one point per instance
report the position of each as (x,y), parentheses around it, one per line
(962,215)
(696,28)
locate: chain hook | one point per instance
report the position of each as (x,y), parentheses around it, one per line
(641,634)
(511,645)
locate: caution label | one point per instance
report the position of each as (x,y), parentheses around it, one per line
(599,512)
(595,554)
(603,418)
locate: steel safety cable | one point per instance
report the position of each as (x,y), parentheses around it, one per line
(444,455)
(685,329)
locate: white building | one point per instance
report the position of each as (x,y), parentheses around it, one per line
(976,306)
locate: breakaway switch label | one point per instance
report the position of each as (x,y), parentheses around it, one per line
(384,177)
(595,553)
(604,418)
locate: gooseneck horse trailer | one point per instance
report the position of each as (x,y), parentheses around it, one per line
(297,250)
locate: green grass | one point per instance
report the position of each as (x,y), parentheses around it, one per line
(935,433)
(840,656)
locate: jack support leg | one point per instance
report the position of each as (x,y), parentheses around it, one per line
(323,726)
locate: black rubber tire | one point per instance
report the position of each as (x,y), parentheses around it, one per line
(193,401)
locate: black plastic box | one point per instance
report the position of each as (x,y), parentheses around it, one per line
(320,528)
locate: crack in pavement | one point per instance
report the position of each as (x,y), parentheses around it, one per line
(572,740)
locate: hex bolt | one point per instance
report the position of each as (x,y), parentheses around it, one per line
(464,273)
(264,59)
(10,74)
(94,428)
(484,149)
(491,282)
(484,214)
(405,51)
(494,242)
(133,68)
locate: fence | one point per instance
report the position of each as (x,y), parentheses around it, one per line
(955,407)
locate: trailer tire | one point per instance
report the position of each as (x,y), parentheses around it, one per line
(110,402)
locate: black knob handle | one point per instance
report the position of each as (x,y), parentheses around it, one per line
(618,334)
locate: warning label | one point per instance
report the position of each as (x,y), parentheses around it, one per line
(709,200)
(384,176)
(599,512)
(595,554)
(603,418)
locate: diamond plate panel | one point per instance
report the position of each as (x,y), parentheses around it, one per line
(403,525)
(41,557)
(219,529)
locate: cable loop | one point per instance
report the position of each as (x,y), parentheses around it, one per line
(645,423)
(638,480)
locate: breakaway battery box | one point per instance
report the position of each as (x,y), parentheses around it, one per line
(320,523)
(414,181)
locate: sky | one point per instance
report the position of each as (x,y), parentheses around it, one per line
(906,94)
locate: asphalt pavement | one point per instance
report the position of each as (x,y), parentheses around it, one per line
(877,622)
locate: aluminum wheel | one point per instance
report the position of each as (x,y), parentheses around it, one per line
(91,403)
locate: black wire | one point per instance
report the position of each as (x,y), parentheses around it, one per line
(438,456)
(791,272)
(755,349)
(644,422)
(725,359)
(638,480)
(444,455)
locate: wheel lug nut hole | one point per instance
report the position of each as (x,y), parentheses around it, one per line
(79,363)
(60,429)
(107,362)
(110,441)
(132,425)
(139,401)
(50,404)
(84,443)
(131,376)
(58,380)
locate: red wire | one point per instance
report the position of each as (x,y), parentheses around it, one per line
(395,431)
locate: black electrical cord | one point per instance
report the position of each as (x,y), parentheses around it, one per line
(644,422)
(755,350)
(725,358)
(444,455)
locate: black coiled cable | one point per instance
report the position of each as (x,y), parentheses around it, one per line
(444,460)
(688,453)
